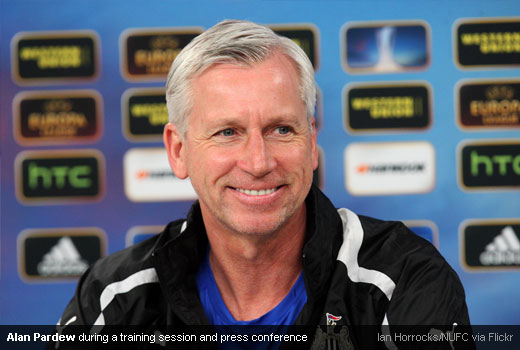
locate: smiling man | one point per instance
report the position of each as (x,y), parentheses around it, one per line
(263,245)
(248,125)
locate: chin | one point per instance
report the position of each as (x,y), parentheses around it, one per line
(256,230)
(263,227)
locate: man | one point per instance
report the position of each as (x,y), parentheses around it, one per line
(263,246)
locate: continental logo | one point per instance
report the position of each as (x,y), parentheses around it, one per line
(57,117)
(144,114)
(149,178)
(490,244)
(147,54)
(143,175)
(138,234)
(59,176)
(305,35)
(387,168)
(493,104)
(487,42)
(63,253)
(490,165)
(387,107)
(385,47)
(51,57)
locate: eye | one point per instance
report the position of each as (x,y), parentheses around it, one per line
(283,130)
(227,132)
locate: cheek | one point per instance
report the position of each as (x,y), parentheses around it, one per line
(299,156)
(296,164)
(209,165)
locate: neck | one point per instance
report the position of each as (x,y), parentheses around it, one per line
(254,273)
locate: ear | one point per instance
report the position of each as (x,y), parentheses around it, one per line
(176,150)
(314,146)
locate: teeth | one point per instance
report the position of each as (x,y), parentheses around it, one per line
(255,192)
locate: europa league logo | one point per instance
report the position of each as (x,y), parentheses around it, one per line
(386,47)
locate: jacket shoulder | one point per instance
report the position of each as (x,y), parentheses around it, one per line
(418,286)
(123,263)
(392,248)
(392,240)
(427,290)
(124,275)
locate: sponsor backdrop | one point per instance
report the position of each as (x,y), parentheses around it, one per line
(418,118)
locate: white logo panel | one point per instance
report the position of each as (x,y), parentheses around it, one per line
(149,178)
(387,168)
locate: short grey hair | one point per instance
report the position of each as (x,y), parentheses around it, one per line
(235,42)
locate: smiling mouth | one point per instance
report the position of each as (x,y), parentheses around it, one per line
(257,192)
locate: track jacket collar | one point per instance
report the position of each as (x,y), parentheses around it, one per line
(322,243)
(177,261)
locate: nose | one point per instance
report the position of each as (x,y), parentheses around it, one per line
(256,158)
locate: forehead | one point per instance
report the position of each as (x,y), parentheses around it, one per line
(247,59)
(276,79)
(275,64)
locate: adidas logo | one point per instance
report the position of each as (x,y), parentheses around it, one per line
(504,250)
(62,260)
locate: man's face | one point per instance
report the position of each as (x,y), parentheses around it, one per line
(249,150)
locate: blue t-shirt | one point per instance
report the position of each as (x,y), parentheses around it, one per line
(285,313)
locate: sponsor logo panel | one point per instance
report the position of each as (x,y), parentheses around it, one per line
(63,253)
(425,229)
(384,107)
(385,47)
(387,168)
(148,53)
(54,117)
(59,176)
(305,36)
(49,57)
(490,42)
(489,165)
(138,234)
(490,244)
(149,178)
(493,104)
(144,114)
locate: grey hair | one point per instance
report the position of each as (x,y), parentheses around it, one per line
(234,42)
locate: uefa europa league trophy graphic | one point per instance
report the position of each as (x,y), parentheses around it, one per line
(385,37)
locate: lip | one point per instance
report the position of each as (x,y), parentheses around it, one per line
(257,200)
(258,192)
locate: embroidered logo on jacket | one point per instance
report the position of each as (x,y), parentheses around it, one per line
(331,339)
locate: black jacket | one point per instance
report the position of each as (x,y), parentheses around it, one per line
(363,270)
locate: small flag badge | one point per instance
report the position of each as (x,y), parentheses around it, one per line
(331,319)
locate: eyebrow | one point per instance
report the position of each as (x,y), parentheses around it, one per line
(270,121)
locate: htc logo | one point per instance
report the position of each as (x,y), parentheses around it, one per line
(501,164)
(487,165)
(59,175)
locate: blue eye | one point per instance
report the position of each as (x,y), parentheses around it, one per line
(227,132)
(284,130)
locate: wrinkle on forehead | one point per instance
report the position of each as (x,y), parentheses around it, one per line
(276,80)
